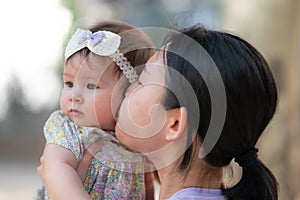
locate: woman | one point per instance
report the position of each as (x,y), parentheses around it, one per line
(179,115)
(251,99)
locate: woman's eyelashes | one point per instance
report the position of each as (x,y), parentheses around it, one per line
(139,83)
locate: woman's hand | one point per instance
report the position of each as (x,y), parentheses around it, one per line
(41,171)
(58,173)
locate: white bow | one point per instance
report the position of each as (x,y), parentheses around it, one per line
(102,43)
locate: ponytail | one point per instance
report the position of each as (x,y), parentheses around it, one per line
(257,183)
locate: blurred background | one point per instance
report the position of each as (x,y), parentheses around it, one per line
(33,35)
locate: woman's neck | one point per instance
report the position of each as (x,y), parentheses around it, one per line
(200,175)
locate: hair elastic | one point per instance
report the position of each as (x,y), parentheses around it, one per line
(247,158)
(102,43)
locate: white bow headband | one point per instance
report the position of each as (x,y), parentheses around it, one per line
(102,43)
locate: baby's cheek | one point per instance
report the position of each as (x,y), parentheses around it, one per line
(63,102)
(104,114)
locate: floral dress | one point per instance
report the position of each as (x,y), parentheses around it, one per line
(114,173)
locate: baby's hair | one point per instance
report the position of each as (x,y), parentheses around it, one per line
(251,95)
(135,44)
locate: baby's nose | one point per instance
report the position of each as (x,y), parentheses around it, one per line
(76,96)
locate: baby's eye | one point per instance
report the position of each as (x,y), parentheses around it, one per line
(69,84)
(92,86)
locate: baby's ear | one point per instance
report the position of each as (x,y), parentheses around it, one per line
(176,123)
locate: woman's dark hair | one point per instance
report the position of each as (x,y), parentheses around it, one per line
(251,100)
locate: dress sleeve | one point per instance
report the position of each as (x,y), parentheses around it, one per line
(60,130)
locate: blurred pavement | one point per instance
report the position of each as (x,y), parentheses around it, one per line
(18,180)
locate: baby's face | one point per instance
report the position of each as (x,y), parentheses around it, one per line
(89,82)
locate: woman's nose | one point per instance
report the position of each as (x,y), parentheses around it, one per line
(131,88)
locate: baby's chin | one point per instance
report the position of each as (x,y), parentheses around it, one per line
(82,123)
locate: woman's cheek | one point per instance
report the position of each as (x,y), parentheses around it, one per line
(127,118)
(138,111)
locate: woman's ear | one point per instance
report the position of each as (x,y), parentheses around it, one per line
(176,123)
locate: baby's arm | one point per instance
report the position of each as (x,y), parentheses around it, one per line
(60,177)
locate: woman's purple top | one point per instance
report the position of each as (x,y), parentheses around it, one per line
(198,194)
